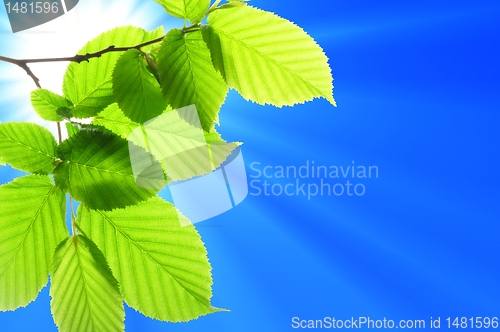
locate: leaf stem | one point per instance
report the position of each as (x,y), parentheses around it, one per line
(59,133)
(213,7)
(227,5)
(74,227)
(191,28)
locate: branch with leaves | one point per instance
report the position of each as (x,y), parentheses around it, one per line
(23,63)
(127,244)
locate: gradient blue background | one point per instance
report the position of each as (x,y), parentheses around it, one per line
(417,84)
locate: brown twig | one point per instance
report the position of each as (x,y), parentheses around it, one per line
(23,63)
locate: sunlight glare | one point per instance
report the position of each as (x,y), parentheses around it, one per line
(62,37)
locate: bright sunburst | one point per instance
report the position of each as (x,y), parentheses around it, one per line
(63,36)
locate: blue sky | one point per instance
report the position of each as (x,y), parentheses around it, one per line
(417,90)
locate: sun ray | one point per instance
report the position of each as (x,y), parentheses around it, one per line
(61,37)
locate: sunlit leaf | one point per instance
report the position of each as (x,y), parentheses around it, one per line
(96,170)
(137,91)
(188,76)
(266,58)
(162,267)
(113,119)
(27,147)
(89,84)
(32,224)
(181,147)
(47,104)
(198,155)
(192,10)
(72,129)
(85,295)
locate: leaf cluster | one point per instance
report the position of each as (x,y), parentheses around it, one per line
(126,243)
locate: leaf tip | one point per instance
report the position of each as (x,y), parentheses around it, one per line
(215,309)
(332,101)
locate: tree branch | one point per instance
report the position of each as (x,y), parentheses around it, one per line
(23,63)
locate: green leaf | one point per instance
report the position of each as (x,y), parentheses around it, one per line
(213,136)
(136,90)
(85,295)
(72,129)
(47,104)
(192,10)
(162,267)
(197,154)
(32,224)
(182,148)
(114,120)
(267,59)
(188,76)
(96,170)
(219,149)
(89,84)
(27,147)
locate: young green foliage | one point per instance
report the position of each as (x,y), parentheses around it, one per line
(113,119)
(32,223)
(48,104)
(96,170)
(154,257)
(192,10)
(88,85)
(140,90)
(27,147)
(268,59)
(72,129)
(85,295)
(136,90)
(188,76)
(219,148)
(193,157)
